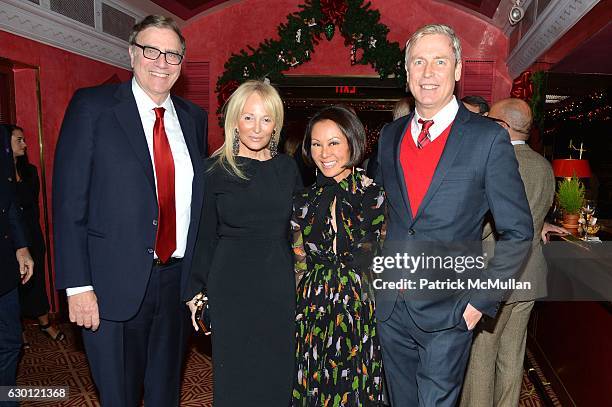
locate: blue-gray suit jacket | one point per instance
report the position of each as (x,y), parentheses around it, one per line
(477,173)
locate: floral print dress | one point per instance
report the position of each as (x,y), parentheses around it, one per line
(338,357)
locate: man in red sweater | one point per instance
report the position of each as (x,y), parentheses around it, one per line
(443,168)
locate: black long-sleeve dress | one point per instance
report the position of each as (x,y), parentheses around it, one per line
(243,258)
(32,295)
(338,356)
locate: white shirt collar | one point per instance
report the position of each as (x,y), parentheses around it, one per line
(441,120)
(517,142)
(146,104)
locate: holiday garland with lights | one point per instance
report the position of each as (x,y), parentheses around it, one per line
(356,22)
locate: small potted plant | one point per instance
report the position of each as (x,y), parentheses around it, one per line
(570,195)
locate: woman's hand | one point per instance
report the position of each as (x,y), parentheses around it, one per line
(192,307)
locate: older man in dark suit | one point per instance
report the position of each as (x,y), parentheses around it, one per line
(443,168)
(128,188)
(495,369)
(17,265)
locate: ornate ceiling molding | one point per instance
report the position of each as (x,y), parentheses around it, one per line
(40,24)
(555,20)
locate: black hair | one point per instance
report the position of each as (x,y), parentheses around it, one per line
(348,123)
(474,100)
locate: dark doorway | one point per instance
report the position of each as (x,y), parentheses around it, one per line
(372,99)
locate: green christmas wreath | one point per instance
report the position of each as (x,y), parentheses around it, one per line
(357,23)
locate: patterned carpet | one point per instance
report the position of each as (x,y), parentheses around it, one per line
(47,363)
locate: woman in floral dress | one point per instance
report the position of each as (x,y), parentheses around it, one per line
(337,226)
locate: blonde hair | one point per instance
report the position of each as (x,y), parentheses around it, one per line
(231,113)
(434,29)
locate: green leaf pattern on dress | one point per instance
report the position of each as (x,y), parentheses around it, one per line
(338,357)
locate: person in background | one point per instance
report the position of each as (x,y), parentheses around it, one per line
(17,266)
(476,104)
(242,258)
(495,368)
(127,196)
(402,108)
(33,295)
(337,226)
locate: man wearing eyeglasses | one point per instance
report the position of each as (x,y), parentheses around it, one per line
(127,195)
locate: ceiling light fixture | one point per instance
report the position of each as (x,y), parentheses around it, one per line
(516,13)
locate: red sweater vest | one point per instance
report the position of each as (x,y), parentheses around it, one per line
(419,165)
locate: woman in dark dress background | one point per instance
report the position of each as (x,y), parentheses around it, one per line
(243,254)
(337,225)
(33,295)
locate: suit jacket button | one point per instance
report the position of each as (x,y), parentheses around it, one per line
(150,251)
(10,179)
(411,232)
(154,222)
(6,236)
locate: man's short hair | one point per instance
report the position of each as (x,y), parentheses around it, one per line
(434,29)
(157,22)
(475,100)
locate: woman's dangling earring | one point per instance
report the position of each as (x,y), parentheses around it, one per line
(273,144)
(236,142)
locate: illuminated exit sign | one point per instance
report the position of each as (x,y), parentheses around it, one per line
(346,90)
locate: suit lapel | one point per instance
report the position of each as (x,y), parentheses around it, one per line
(451,149)
(189,134)
(127,114)
(397,145)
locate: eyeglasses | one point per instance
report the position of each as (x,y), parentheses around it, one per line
(153,53)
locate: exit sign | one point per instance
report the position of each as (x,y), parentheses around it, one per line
(346,90)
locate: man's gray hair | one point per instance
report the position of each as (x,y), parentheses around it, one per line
(434,29)
(157,22)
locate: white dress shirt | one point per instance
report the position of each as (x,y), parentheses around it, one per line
(183,169)
(517,142)
(441,121)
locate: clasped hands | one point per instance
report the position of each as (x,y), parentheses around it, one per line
(193,307)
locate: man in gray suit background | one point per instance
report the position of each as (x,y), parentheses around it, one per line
(495,368)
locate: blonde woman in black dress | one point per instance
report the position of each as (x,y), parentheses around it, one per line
(243,254)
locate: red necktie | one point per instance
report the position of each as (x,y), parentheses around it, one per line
(423,139)
(165,242)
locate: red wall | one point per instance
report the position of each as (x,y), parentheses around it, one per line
(216,36)
(61,73)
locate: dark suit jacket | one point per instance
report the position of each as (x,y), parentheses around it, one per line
(12,233)
(104,196)
(477,172)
